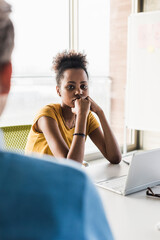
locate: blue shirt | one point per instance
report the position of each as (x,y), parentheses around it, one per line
(47,200)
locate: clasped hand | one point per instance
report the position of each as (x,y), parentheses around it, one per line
(83,105)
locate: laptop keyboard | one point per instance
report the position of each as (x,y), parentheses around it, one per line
(116,184)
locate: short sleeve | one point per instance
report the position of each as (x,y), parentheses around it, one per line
(47,111)
(92,123)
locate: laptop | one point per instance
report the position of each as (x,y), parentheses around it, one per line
(144,171)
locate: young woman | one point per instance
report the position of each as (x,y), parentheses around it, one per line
(61,129)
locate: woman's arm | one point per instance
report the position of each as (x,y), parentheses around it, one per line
(51,131)
(105,141)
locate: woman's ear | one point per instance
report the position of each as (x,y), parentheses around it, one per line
(5,78)
(58,91)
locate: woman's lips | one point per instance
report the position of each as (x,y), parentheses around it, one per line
(75,99)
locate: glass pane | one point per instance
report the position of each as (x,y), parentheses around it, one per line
(94,41)
(41,30)
(26,98)
(94,34)
(101,96)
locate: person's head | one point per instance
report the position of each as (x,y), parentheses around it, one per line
(71,76)
(6,47)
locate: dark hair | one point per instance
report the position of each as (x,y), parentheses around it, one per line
(67,60)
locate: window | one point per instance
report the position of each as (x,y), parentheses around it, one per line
(41,30)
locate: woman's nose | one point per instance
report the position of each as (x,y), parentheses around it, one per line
(78,91)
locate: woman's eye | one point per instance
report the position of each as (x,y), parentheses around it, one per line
(84,87)
(70,87)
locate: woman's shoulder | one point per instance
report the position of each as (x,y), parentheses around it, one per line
(91,116)
(52,107)
(49,110)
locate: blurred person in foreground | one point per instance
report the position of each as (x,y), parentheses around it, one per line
(43,198)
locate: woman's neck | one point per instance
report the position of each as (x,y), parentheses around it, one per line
(68,115)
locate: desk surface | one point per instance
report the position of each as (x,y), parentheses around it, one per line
(131,217)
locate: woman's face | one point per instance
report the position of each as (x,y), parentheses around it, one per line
(74,85)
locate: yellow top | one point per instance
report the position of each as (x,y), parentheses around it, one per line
(36,141)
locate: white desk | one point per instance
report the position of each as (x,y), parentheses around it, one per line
(131,217)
